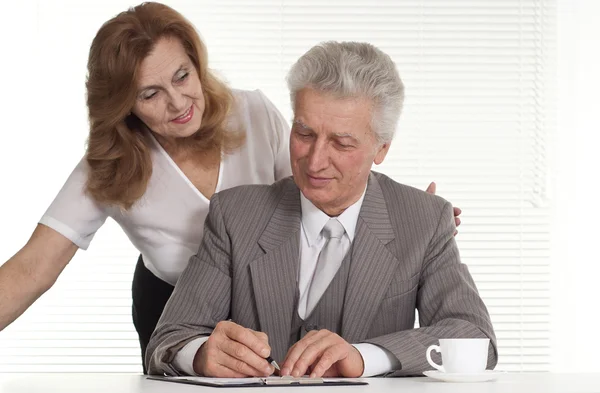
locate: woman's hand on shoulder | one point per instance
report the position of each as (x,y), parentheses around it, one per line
(457,211)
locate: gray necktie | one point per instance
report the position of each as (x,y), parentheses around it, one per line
(330,259)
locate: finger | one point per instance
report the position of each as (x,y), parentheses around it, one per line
(329,357)
(296,350)
(239,367)
(308,357)
(247,338)
(455,232)
(285,370)
(244,360)
(262,336)
(431,188)
(457,221)
(312,353)
(312,335)
(332,372)
(457,211)
(212,366)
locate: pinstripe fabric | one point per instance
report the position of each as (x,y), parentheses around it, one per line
(404,257)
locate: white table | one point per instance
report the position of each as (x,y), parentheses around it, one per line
(129,383)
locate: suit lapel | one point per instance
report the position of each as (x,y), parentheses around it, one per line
(274,274)
(372,264)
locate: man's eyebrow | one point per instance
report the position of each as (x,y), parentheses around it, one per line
(299,123)
(342,135)
(337,135)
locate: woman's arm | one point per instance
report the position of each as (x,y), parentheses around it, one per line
(32,271)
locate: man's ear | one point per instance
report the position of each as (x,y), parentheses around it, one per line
(381,153)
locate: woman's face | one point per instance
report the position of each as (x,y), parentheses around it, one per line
(169,96)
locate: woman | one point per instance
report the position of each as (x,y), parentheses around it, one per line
(165,134)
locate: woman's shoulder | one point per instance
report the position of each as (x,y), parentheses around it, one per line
(256,113)
(254,104)
(251,96)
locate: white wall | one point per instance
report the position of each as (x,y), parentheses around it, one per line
(577,215)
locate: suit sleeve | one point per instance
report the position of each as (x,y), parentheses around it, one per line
(448,302)
(200,300)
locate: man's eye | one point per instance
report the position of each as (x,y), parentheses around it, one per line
(344,145)
(304,135)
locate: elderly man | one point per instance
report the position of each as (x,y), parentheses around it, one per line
(324,271)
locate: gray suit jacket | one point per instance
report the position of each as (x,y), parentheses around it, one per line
(404,258)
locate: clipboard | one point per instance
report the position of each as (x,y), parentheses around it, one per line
(260,382)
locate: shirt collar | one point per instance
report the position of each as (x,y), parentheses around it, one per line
(314,219)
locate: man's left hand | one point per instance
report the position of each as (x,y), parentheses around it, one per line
(324,353)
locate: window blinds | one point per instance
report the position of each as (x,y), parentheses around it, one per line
(477,120)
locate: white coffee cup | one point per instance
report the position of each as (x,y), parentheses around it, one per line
(461,355)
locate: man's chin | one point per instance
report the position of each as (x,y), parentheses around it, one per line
(317,196)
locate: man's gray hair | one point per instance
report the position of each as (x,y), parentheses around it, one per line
(353,69)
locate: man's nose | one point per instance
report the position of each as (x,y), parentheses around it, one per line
(318,158)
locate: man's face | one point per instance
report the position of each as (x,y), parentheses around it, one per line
(332,149)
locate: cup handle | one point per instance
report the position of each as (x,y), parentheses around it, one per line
(430,361)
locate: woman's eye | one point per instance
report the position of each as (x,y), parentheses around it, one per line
(149,96)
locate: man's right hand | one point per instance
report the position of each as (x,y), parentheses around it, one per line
(233,351)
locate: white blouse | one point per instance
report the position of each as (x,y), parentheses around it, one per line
(167,223)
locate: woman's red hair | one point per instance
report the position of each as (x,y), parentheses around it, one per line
(118,152)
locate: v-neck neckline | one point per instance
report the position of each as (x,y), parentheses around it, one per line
(182,175)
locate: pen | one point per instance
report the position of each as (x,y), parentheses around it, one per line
(273,363)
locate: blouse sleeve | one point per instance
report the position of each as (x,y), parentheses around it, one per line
(73,213)
(281,140)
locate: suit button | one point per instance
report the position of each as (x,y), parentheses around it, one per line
(308,328)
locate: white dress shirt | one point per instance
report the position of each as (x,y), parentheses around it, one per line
(377,360)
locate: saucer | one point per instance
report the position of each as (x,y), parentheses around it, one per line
(486,376)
